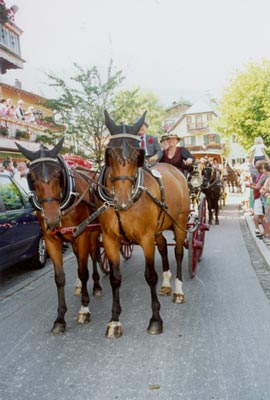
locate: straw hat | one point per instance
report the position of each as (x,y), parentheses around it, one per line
(163,137)
(173,136)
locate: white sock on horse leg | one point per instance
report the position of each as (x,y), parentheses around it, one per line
(178,286)
(166,278)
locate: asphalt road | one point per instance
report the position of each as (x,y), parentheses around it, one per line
(216,346)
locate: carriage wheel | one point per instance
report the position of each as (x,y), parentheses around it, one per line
(192,253)
(202,226)
(103,261)
(126,250)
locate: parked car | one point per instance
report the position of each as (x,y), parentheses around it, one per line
(20,234)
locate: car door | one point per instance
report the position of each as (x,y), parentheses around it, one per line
(18,224)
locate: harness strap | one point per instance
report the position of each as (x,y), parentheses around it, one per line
(74,205)
(80,228)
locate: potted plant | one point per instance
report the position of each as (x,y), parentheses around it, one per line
(6,14)
(3,131)
(21,134)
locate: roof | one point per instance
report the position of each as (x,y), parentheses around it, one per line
(202,106)
(180,102)
(19,90)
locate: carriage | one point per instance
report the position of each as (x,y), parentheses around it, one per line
(69,201)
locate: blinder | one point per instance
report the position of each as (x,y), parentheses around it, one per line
(66,182)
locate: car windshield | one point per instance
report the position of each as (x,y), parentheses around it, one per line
(10,197)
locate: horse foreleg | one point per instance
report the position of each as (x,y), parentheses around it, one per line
(112,249)
(163,251)
(54,248)
(155,326)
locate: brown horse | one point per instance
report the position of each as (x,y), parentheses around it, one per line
(62,198)
(142,206)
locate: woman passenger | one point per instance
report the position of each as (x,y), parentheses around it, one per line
(178,156)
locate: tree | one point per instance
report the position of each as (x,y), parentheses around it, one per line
(245,105)
(130,104)
(80,107)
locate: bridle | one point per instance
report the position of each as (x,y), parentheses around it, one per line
(126,156)
(68,193)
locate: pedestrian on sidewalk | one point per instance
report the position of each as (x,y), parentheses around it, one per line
(265,195)
(258,205)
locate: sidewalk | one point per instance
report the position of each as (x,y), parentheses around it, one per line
(264,250)
(262,247)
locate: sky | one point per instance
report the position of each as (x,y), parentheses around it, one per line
(174,48)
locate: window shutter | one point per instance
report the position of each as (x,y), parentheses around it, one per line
(205,139)
(217,138)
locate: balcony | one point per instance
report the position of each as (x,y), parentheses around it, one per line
(211,148)
(10,51)
(198,126)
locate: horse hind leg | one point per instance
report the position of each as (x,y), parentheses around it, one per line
(216,215)
(180,235)
(95,256)
(81,249)
(166,288)
(78,287)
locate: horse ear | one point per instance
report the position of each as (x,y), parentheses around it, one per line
(137,126)
(30,155)
(110,124)
(57,148)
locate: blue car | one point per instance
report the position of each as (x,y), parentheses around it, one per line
(20,234)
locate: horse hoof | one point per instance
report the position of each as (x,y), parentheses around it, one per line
(77,291)
(210,222)
(165,291)
(217,222)
(97,292)
(155,328)
(114,330)
(83,318)
(58,328)
(178,298)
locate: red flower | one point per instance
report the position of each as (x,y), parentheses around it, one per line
(150,140)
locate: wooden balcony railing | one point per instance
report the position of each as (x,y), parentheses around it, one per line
(13,128)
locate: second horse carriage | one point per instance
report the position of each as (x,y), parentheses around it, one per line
(129,205)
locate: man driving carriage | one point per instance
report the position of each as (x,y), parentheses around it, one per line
(150,144)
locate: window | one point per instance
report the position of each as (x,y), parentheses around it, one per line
(209,117)
(188,141)
(9,194)
(212,139)
(199,121)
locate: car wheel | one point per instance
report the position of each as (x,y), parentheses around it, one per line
(41,254)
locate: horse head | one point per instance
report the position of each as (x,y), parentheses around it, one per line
(46,180)
(208,176)
(123,157)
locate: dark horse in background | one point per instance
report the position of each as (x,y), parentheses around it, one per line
(63,199)
(211,187)
(141,207)
(231,178)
